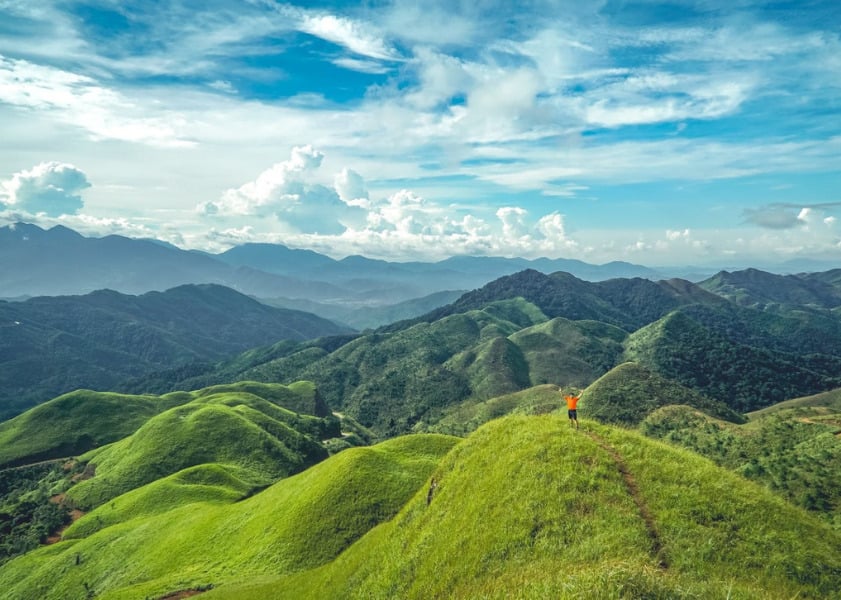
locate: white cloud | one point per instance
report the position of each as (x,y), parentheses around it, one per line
(357,37)
(51,188)
(362,66)
(287,191)
(82,102)
(350,186)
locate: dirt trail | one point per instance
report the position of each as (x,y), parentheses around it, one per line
(657,550)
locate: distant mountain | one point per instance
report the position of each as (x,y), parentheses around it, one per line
(626,303)
(752,287)
(52,345)
(60,261)
(369,317)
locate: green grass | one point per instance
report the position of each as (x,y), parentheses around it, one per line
(298,523)
(528,508)
(630,392)
(75,423)
(235,428)
(466,417)
(793,448)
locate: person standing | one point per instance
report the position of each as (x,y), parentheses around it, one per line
(572,408)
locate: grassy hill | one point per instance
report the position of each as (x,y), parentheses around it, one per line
(526,508)
(630,392)
(80,421)
(75,423)
(52,345)
(793,448)
(229,425)
(151,542)
(523,508)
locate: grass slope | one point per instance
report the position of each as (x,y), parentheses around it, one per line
(527,508)
(298,523)
(468,416)
(75,423)
(220,425)
(630,392)
(793,448)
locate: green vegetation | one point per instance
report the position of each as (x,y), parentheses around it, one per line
(630,392)
(75,423)
(139,548)
(220,425)
(527,508)
(464,418)
(52,345)
(27,516)
(794,448)
(744,377)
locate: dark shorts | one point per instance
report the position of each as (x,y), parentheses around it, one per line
(573,414)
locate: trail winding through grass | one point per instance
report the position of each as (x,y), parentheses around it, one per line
(657,551)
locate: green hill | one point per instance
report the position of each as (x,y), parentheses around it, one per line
(75,423)
(53,345)
(630,392)
(148,543)
(80,421)
(523,508)
(526,508)
(744,377)
(229,425)
(792,448)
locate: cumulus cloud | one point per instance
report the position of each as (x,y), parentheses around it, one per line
(351,187)
(52,188)
(288,192)
(774,216)
(789,216)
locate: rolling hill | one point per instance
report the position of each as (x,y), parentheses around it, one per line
(523,508)
(793,447)
(52,345)
(530,329)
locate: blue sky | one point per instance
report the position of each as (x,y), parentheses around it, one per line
(662,133)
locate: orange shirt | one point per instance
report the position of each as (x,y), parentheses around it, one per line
(572,401)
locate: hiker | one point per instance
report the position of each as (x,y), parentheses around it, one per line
(572,411)
(433,484)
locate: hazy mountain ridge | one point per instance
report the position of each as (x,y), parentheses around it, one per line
(60,261)
(51,345)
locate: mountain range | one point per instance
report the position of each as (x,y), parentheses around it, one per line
(432,457)
(60,261)
(530,329)
(52,345)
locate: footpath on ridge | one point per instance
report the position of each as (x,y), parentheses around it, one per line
(657,550)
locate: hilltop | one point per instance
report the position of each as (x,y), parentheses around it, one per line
(524,507)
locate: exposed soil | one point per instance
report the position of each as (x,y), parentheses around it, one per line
(75,515)
(657,550)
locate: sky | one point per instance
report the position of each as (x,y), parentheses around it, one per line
(689,132)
